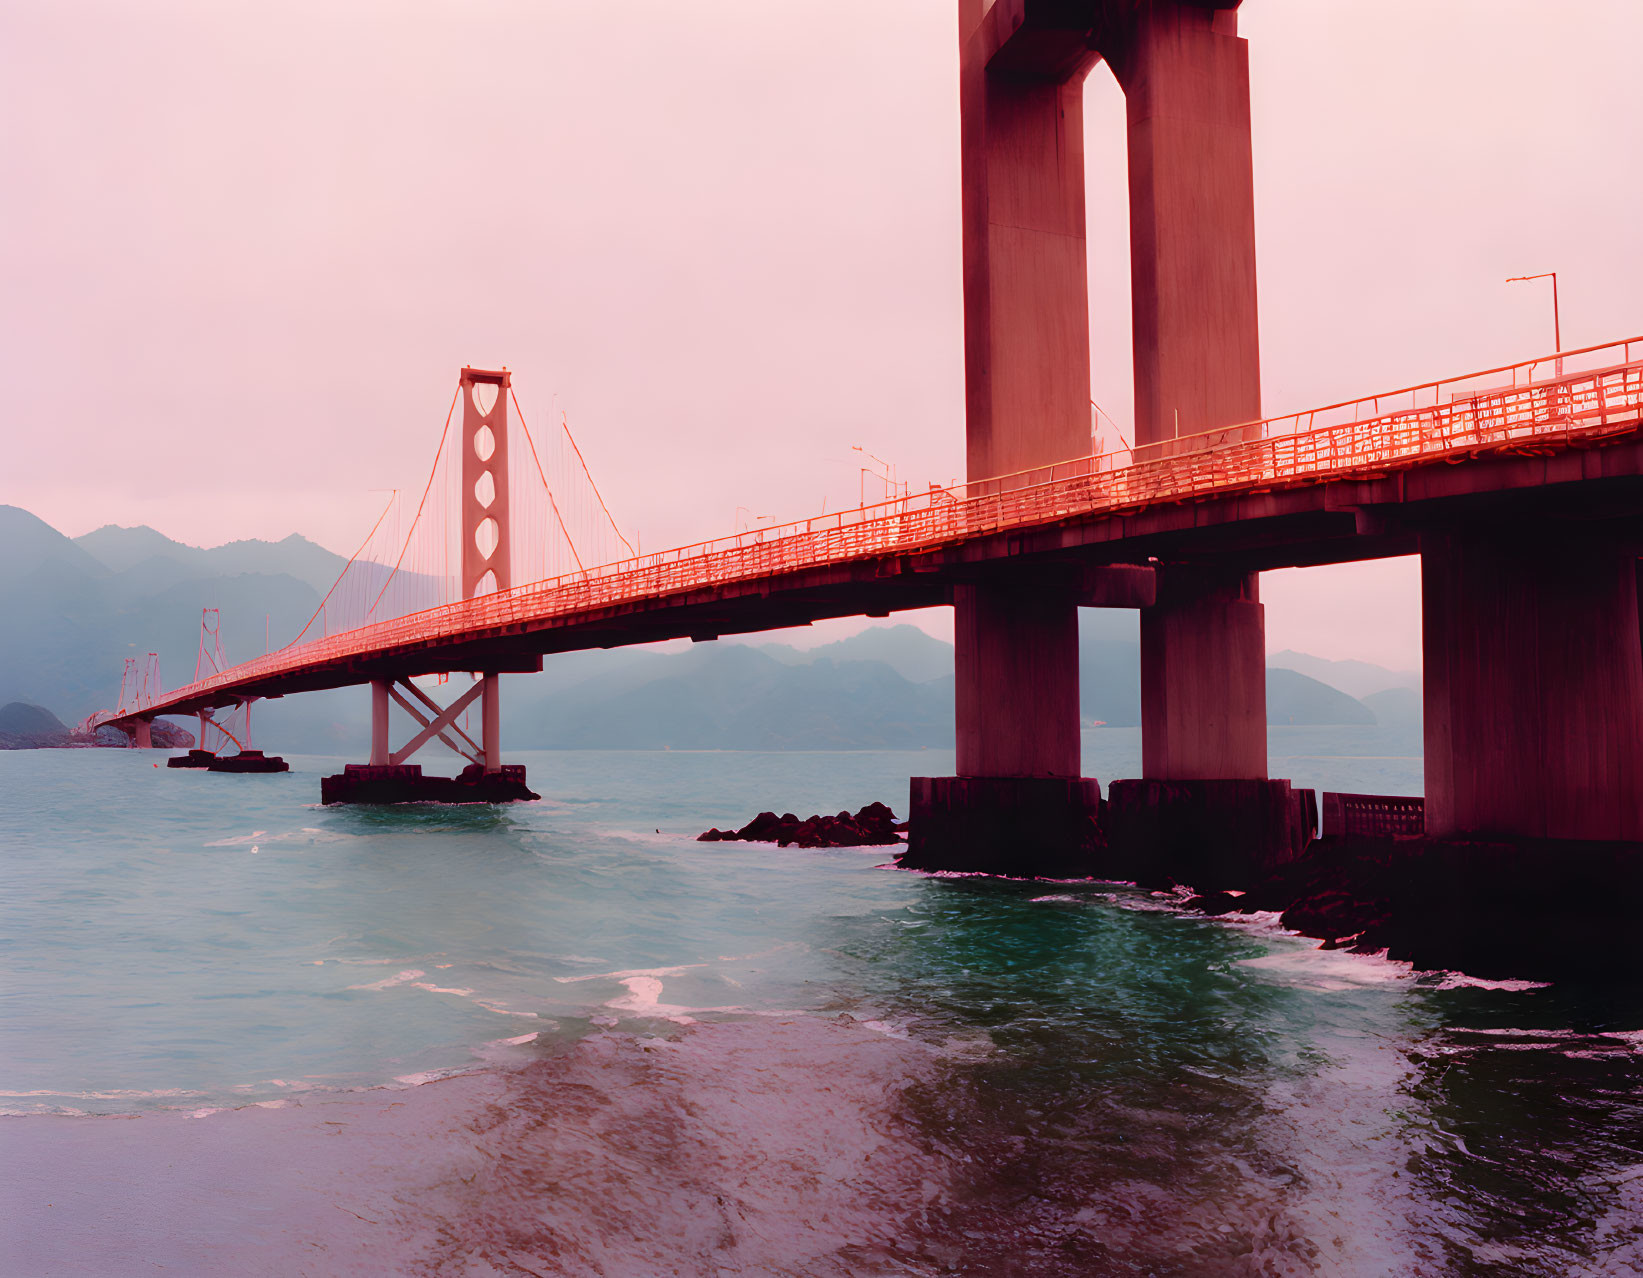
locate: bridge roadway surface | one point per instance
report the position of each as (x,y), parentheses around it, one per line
(1284,492)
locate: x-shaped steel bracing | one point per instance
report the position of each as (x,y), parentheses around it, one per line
(436,721)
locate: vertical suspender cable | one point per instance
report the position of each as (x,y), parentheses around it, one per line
(438,453)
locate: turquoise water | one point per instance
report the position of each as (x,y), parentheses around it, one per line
(174,939)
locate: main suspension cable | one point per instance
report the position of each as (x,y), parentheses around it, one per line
(525,426)
(392,496)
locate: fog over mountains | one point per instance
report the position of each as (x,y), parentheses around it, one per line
(72,610)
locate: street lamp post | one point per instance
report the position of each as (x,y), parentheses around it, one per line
(889,475)
(1557,326)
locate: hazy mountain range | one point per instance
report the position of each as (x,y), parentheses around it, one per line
(71,610)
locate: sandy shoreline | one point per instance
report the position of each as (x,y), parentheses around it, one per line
(766,1147)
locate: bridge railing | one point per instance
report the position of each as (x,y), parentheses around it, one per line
(1506,407)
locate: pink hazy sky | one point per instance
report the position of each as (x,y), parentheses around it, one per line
(248,246)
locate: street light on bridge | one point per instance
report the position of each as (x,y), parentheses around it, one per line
(1557,327)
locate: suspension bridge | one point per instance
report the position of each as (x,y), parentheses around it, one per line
(1328,485)
(1520,486)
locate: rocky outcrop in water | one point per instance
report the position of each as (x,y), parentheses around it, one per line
(875,825)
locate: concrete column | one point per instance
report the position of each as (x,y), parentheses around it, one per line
(1016,668)
(491,717)
(1185,75)
(1026,304)
(143,735)
(1203,678)
(1533,683)
(1027,382)
(381,748)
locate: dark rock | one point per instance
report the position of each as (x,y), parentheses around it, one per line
(759,827)
(874,825)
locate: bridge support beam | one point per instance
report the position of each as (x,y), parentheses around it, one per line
(381,706)
(490,718)
(1533,684)
(142,734)
(389,778)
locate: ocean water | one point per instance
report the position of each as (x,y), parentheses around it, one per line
(1052,1078)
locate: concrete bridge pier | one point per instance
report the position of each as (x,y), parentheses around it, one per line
(1204,810)
(1203,677)
(1018,804)
(1533,683)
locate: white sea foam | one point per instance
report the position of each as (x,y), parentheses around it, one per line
(304,836)
(1327,971)
(410,979)
(409,974)
(1459,980)
(644,999)
(238,840)
(1497,1031)
(500,1010)
(158,1093)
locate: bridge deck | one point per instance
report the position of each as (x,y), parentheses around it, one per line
(1316,487)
